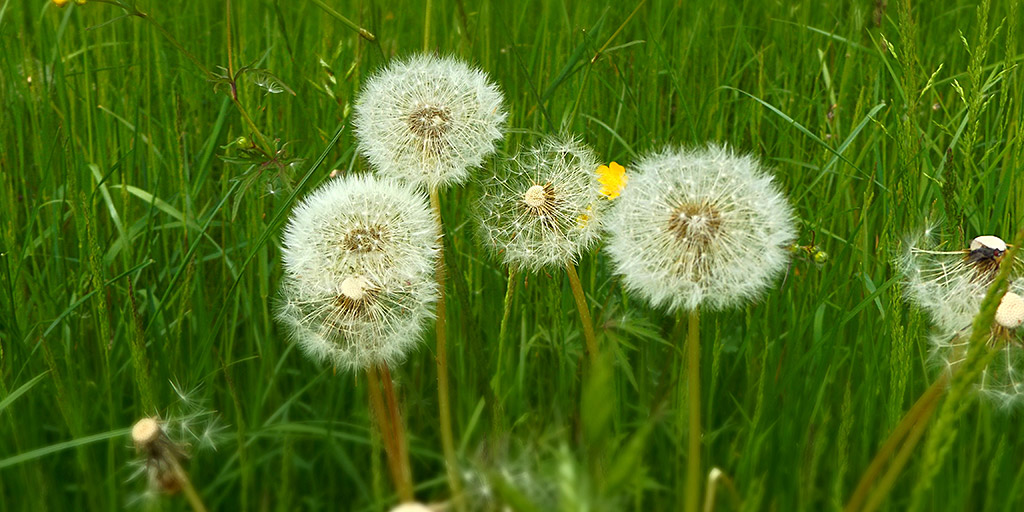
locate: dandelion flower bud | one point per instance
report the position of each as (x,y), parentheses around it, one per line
(700,227)
(427,120)
(359,257)
(545,208)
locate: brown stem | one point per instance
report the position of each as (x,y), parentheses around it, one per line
(901,458)
(398,431)
(443,404)
(386,432)
(919,412)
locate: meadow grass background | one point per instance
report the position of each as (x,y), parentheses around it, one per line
(132,229)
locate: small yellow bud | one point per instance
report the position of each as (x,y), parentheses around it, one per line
(60,3)
(820,256)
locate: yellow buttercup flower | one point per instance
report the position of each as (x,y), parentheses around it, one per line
(61,3)
(613,179)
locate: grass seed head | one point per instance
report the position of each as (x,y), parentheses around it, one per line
(359,256)
(544,208)
(703,227)
(427,120)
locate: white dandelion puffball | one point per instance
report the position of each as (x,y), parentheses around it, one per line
(359,256)
(544,208)
(1002,380)
(949,285)
(427,120)
(704,227)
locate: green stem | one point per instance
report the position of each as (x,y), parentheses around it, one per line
(581,306)
(444,406)
(693,472)
(502,335)
(918,413)
(426,27)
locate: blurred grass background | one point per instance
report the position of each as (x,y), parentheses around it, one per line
(136,234)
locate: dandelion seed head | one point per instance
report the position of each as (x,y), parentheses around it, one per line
(427,120)
(544,208)
(947,283)
(703,227)
(359,257)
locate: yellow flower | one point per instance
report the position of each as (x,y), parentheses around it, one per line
(613,179)
(584,218)
(79,2)
(60,3)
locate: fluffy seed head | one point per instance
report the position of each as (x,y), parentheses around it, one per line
(703,227)
(544,207)
(428,120)
(1002,380)
(948,283)
(359,257)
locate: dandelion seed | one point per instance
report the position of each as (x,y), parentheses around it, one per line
(702,227)
(359,257)
(546,207)
(427,120)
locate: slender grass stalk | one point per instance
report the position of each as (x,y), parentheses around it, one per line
(692,497)
(443,404)
(581,306)
(919,413)
(387,427)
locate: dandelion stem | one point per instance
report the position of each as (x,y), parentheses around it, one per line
(918,414)
(404,469)
(186,485)
(581,305)
(388,434)
(426,27)
(444,406)
(502,335)
(692,497)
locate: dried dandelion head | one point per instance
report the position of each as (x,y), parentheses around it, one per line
(359,257)
(703,227)
(546,206)
(427,120)
(162,457)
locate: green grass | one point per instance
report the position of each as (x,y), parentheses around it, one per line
(140,249)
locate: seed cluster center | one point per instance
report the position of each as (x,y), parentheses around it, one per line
(695,223)
(540,200)
(365,239)
(429,121)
